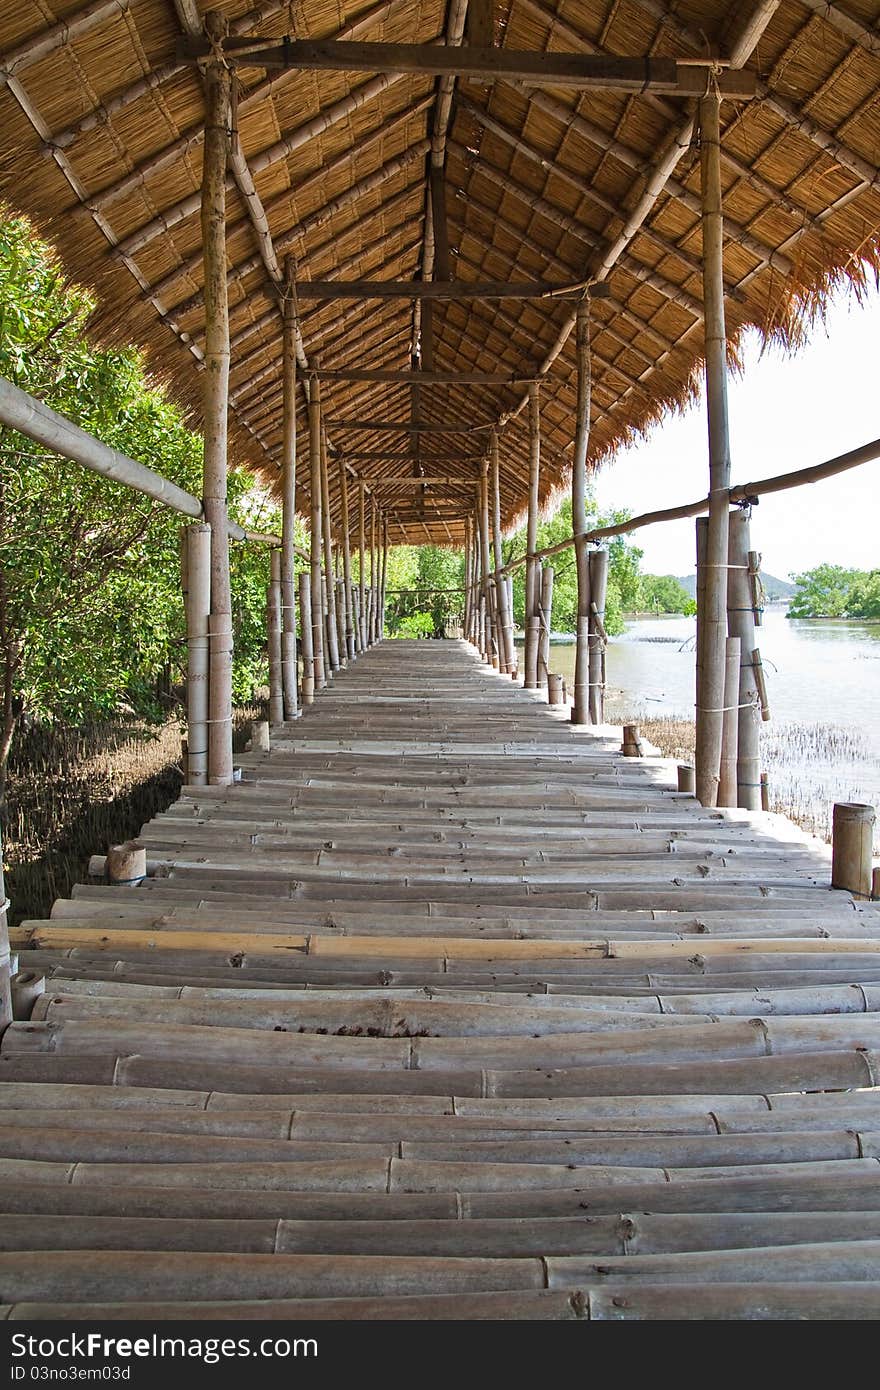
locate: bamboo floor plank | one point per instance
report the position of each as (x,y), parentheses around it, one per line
(447,1010)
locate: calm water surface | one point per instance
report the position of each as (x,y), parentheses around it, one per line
(819,673)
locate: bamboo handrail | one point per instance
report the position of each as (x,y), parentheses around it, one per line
(39,422)
(743,492)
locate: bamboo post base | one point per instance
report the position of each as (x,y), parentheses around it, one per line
(259,739)
(852,845)
(27,987)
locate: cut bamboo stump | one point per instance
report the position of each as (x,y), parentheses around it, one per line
(632,741)
(686,778)
(555,690)
(852,846)
(126,864)
(259,740)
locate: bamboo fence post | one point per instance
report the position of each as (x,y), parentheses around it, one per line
(713,627)
(362,600)
(506,655)
(765,793)
(218,119)
(273,625)
(727,791)
(546,616)
(317,610)
(196,545)
(332,648)
(580,708)
(308,651)
(741,624)
(852,847)
(598,567)
(290,706)
(531,617)
(350,644)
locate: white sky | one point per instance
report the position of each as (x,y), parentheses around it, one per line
(786,412)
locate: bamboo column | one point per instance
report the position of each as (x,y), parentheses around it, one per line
(317,607)
(741,624)
(467,579)
(713,626)
(273,627)
(506,651)
(546,618)
(581,707)
(362,591)
(196,554)
(491,645)
(727,785)
(852,841)
(531,620)
(308,650)
(218,102)
(384,577)
(332,647)
(374,573)
(598,568)
(290,706)
(350,644)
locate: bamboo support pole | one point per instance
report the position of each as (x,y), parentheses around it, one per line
(196,546)
(546,621)
(305,624)
(345,524)
(287,593)
(761,683)
(274,635)
(384,576)
(598,566)
(332,647)
(374,574)
(506,650)
(741,623)
(218,97)
(531,616)
(317,608)
(727,788)
(709,713)
(580,712)
(362,594)
(852,842)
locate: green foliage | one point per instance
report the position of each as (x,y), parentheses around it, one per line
(662,593)
(623,570)
(415,625)
(425,571)
(91,616)
(831,591)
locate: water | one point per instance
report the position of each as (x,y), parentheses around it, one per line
(819,674)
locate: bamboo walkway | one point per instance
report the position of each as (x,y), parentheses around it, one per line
(447,1011)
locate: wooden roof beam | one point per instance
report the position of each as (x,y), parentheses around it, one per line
(404,457)
(378,426)
(546,69)
(866,37)
(436,289)
(404,378)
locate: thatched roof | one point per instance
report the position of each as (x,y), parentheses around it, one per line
(100,142)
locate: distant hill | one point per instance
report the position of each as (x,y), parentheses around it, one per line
(774,588)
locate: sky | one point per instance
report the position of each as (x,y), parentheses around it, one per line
(787,411)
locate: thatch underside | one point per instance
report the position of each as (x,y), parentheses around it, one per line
(101,144)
